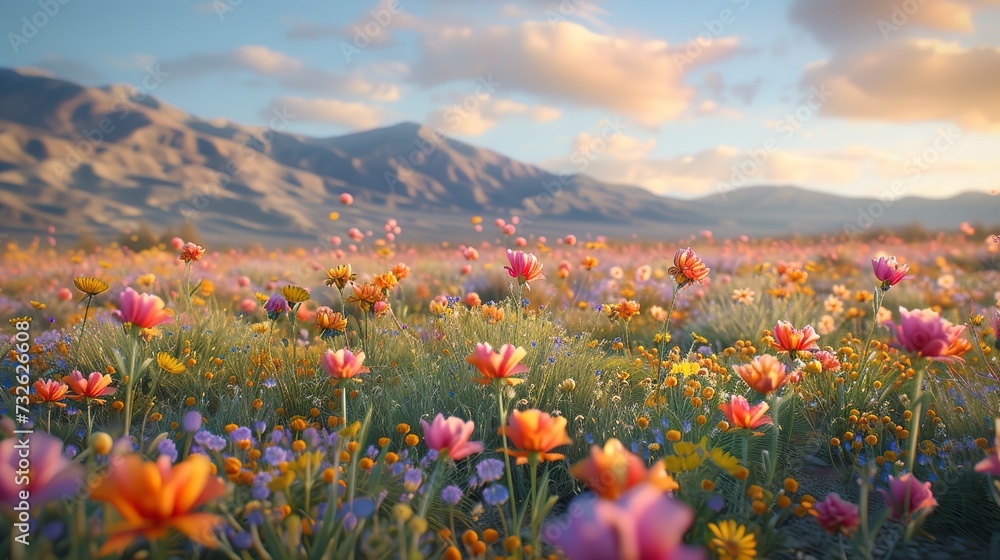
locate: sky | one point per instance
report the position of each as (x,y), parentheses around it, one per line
(686,98)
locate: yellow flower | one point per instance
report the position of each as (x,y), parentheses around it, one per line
(146,280)
(90,286)
(385,281)
(732,541)
(724,460)
(685,368)
(262,298)
(207,287)
(37,304)
(340,276)
(295,294)
(687,456)
(281,481)
(169,363)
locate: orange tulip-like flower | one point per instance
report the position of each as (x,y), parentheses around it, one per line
(94,386)
(740,414)
(524,266)
(152,498)
(142,310)
(789,339)
(688,267)
(50,391)
(765,374)
(493,365)
(610,471)
(535,433)
(343,364)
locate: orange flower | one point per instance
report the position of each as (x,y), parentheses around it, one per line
(740,414)
(385,281)
(536,433)
(401,271)
(50,391)
(365,295)
(191,252)
(152,498)
(624,309)
(765,374)
(688,267)
(789,339)
(502,365)
(93,386)
(329,320)
(610,471)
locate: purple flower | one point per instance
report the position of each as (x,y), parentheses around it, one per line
(495,495)
(192,421)
(240,434)
(276,305)
(490,469)
(274,455)
(412,479)
(451,495)
(167,448)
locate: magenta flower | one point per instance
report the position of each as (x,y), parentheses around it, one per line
(907,495)
(51,476)
(834,514)
(451,435)
(643,523)
(889,272)
(924,332)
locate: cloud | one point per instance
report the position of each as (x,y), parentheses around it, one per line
(356,116)
(849,22)
(628,160)
(640,78)
(914,80)
(474,119)
(71,69)
(286,70)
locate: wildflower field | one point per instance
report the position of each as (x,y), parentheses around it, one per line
(504,398)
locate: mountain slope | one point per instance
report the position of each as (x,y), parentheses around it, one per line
(95,159)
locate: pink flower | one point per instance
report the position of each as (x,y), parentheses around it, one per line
(740,414)
(643,523)
(52,475)
(834,514)
(924,332)
(451,435)
(907,495)
(991,464)
(343,364)
(177,243)
(524,266)
(789,339)
(498,365)
(346,199)
(64,294)
(889,272)
(828,360)
(142,310)
(248,305)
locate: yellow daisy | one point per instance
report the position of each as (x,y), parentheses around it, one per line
(295,294)
(732,541)
(169,363)
(90,285)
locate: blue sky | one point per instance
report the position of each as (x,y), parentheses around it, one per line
(702,90)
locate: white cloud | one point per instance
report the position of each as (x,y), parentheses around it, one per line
(481,114)
(640,78)
(356,116)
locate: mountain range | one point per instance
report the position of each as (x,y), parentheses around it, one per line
(104,161)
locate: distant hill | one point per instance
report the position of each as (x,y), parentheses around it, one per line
(92,159)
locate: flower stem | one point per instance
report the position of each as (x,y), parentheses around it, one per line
(915,423)
(506,457)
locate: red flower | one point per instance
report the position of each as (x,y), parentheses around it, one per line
(524,266)
(740,414)
(688,267)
